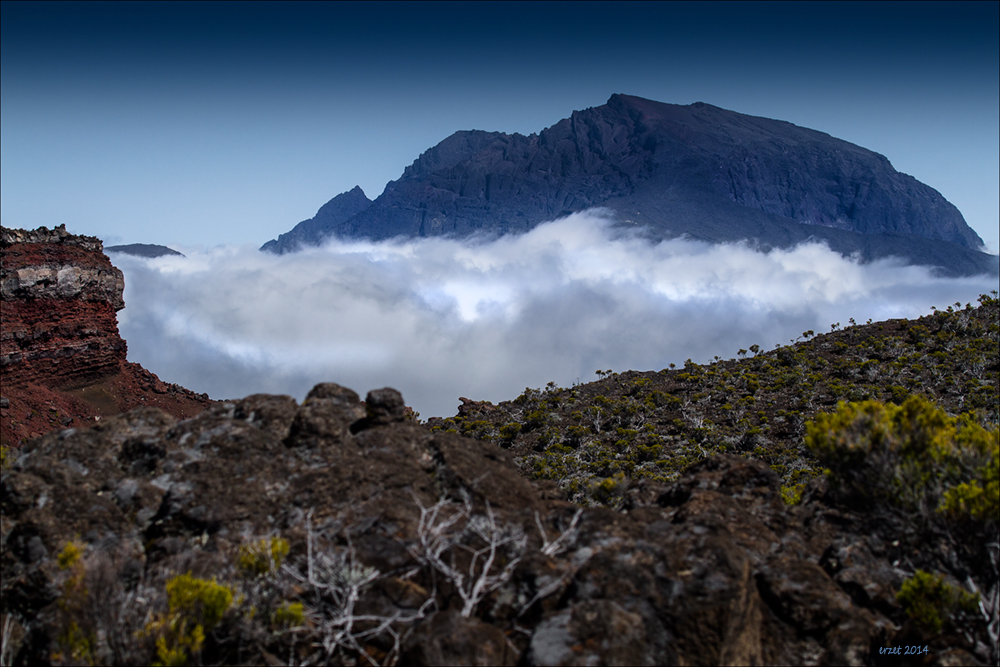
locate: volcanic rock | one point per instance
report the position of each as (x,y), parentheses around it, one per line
(62,359)
(697,170)
(60,294)
(459,558)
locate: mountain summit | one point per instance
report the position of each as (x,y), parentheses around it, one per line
(335,212)
(697,170)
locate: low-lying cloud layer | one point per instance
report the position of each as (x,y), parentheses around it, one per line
(438,318)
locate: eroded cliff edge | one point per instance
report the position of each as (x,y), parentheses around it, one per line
(62,360)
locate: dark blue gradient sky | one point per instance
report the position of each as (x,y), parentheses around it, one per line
(189,124)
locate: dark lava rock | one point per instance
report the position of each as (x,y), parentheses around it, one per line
(406,545)
(712,174)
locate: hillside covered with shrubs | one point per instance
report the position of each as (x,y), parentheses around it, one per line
(602,441)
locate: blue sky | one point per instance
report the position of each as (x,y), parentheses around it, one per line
(201,124)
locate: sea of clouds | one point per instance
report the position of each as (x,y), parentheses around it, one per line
(440,318)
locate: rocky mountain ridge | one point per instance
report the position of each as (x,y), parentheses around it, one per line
(696,170)
(342,207)
(601,441)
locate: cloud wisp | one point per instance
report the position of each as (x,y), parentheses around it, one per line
(440,318)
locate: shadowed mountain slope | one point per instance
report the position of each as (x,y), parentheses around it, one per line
(699,170)
(334,213)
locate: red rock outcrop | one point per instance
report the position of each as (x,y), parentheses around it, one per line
(60,294)
(61,356)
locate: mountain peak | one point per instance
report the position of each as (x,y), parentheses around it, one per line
(331,214)
(698,170)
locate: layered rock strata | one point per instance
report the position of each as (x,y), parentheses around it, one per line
(60,294)
(62,360)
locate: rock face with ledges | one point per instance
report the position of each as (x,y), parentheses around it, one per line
(59,294)
(62,360)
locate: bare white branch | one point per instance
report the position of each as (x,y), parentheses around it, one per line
(561,543)
(438,537)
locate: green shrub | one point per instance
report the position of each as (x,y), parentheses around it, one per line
(537,418)
(791,494)
(75,646)
(194,607)
(935,604)
(70,555)
(262,557)
(606,490)
(510,430)
(74,643)
(913,455)
(977,498)
(199,599)
(289,615)
(576,433)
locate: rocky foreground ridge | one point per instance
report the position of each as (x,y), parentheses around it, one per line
(62,360)
(712,174)
(269,532)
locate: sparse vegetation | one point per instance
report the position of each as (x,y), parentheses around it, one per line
(651,425)
(470,554)
(262,557)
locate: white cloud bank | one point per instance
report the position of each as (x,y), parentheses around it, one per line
(438,318)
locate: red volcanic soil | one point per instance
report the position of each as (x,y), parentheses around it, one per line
(33,409)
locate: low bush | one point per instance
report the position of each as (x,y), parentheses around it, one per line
(262,557)
(936,605)
(195,606)
(913,455)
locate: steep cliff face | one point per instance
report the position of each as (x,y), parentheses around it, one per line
(62,360)
(60,294)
